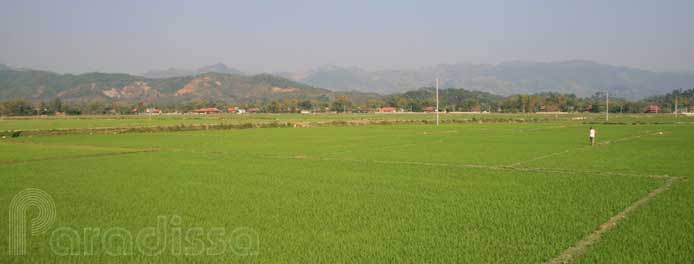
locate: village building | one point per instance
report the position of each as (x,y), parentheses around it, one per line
(152,111)
(549,108)
(209,110)
(651,109)
(387,110)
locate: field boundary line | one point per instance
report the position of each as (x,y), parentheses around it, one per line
(420,163)
(6,162)
(84,147)
(607,142)
(476,166)
(549,127)
(507,168)
(582,246)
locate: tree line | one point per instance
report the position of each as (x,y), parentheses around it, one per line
(451,100)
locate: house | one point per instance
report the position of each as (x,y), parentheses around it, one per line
(252,110)
(589,108)
(429,109)
(651,109)
(152,111)
(550,108)
(232,109)
(209,110)
(387,110)
(305,112)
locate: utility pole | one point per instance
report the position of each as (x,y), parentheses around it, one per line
(676,97)
(437,101)
(607,106)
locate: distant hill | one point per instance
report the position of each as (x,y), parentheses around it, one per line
(580,77)
(219,82)
(176,72)
(42,85)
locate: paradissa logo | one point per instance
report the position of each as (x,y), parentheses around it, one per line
(168,237)
(27,199)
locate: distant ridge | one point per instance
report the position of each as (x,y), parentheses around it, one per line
(580,77)
(41,85)
(177,72)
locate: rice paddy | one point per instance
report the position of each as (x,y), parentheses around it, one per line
(477,189)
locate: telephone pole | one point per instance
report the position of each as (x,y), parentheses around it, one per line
(437,101)
(607,106)
(676,97)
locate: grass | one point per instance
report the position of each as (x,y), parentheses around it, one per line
(73,122)
(473,192)
(660,233)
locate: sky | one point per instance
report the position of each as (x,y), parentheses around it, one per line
(293,36)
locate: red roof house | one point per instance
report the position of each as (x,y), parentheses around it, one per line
(387,110)
(652,109)
(429,109)
(209,110)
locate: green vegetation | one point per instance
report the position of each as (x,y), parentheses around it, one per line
(518,188)
(105,93)
(452,100)
(659,233)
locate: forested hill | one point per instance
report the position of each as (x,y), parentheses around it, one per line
(36,85)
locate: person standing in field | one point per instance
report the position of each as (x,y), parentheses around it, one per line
(591,133)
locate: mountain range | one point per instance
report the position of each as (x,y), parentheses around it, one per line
(233,88)
(222,83)
(580,77)
(178,72)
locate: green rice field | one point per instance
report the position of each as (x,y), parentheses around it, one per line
(485,188)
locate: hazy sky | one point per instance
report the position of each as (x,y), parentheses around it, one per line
(294,35)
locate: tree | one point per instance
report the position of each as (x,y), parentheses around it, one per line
(96,107)
(42,108)
(306,105)
(274,107)
(375,103)
(55,105)
(289,105)
(16,107)
(341,104)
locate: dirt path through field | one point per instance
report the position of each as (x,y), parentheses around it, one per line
(580,248)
